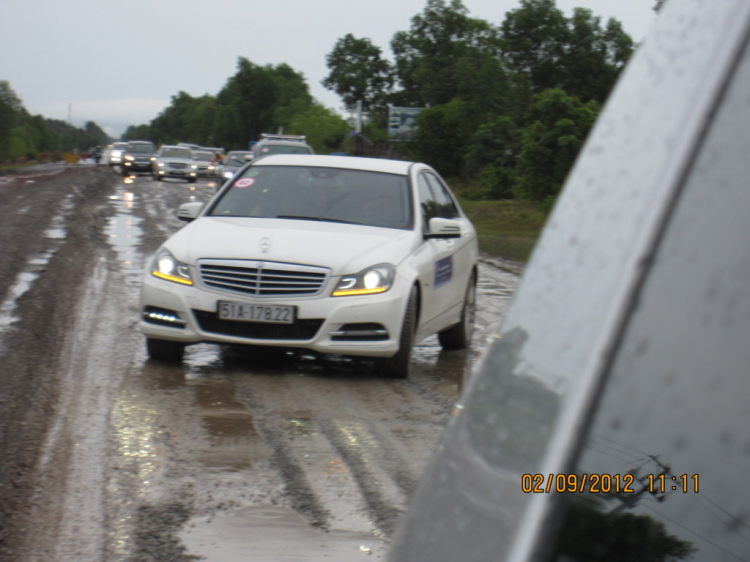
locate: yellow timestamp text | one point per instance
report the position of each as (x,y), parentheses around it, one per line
(608,483)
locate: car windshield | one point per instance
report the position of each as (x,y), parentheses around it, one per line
(141,148)
(175,153)
(283,149)
(320,194)
(207,156)
(236,159)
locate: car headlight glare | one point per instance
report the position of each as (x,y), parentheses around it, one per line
(194,167)
(128,157)
(228,175)
(160,164)
(164,266)
(370,281)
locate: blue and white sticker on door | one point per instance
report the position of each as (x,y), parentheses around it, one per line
(443,271)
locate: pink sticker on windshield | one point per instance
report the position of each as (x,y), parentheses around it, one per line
(244,182)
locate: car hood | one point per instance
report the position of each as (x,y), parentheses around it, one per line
(343,248)
(188,161)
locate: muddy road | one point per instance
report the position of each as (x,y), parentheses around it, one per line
(233,455)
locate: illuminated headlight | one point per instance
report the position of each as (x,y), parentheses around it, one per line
(229,175)
(210,167)
(116,154)
(161,164)
(128,157)
(193,166)
(375,279)
(164,266)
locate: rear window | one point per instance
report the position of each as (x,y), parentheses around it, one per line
(284,149)
(141,148)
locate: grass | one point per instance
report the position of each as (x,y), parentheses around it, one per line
(507,229)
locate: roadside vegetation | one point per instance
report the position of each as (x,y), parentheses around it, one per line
(506,228)
(26,138)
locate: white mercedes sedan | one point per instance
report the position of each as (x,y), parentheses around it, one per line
(351,256)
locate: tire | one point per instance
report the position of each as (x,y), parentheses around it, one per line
(398,366)
(192,180)
(163,350)
(459,336)
(157,177)
(125,172)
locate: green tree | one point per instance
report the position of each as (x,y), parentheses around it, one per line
(545,50)
(534,38)
(491,158)
(429,54)
(358,72)
(325,130)
(550,145)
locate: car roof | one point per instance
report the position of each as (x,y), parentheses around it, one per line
(347,162)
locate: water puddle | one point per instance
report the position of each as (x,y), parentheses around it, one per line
(124,231)
(271,534)
(55,234)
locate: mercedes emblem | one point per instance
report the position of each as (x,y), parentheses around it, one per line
(265,244)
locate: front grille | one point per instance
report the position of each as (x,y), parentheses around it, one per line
(177,165)
(262,278)
(302,329)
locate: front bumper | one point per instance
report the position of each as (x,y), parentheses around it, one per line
(136,165)
(368,326)
(168,172)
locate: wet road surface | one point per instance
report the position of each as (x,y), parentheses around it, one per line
(236,454)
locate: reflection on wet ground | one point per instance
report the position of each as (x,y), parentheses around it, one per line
(55,235)
(123,230)
(272,533)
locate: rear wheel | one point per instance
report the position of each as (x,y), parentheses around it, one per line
(399,365)
(459,336)
(163,350)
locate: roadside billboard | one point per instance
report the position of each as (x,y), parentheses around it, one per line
(402,122)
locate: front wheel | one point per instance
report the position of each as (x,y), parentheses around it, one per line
(191,180)
(163,350)
(459,336)
(399,365)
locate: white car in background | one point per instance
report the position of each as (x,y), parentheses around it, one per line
(174,162)
(352,256)
(113,153)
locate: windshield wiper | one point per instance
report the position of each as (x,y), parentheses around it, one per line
(322,219)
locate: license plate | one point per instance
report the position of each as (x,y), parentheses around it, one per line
(268,313)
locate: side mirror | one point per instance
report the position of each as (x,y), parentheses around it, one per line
(189,211)
(443,228)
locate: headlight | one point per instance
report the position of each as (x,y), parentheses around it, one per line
(164,266)
(128,157)
(228,175)
(375,279)
(160,164)
(210,167)
(116,153)
(194,167)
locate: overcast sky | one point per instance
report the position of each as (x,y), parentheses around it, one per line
(118,63)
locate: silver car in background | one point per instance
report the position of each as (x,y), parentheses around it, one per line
(204,161)
(232,162)
(174,162)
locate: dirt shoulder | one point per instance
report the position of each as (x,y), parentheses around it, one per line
(51,228)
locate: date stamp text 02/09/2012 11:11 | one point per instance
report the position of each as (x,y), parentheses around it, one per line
(608,483)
